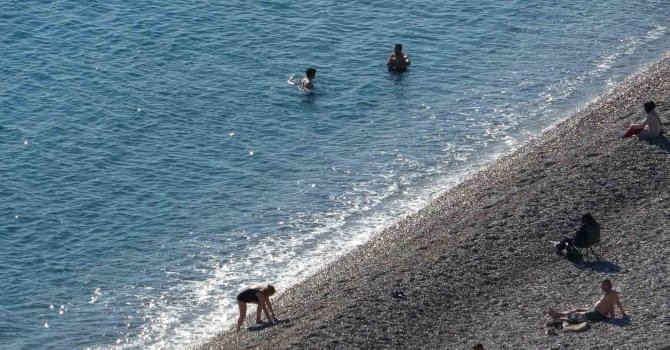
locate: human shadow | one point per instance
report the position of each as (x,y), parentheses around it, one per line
(621,322)
(264,325)
(599,266)
(661,142)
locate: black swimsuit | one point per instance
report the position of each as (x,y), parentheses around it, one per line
(248,296)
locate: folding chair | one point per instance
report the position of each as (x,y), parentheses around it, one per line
(590,245)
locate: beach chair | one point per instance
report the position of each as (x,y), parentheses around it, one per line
(589,244)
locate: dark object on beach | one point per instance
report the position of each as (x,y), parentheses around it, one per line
(398,294)
(478,346)
(584,240)
(575,327)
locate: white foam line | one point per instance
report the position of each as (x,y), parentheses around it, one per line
(629,46)
(337,235)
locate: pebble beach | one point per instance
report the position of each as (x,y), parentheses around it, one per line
(477,265)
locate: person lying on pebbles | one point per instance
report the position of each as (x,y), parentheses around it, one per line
(603,310)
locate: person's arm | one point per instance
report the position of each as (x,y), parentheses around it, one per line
(262,303)
(641,124)
(269,305)
(407,62)
(618,304)
(391,61)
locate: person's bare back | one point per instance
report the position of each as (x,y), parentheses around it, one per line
(607,302)
(306,84)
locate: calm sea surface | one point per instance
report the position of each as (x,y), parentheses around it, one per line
(155,160)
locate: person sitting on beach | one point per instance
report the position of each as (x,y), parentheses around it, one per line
(650,127)
(589,229)
(398,61)
(306,83)
(603,310)
(261,297)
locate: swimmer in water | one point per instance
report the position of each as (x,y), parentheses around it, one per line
(306,83)
(398,61)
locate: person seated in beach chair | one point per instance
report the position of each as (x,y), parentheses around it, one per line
(587,235)
(603,310)
(650,127)
(261,297)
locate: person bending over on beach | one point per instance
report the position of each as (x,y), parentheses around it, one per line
(590,228)
(261,297)
(398,61)
(650,127)
(306,83)
(603,310)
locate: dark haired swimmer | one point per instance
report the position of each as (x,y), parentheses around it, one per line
(306,83)
(261,297)
(398,61)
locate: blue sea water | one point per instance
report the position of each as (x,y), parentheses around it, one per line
(155,160)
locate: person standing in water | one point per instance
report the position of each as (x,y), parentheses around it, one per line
(306,83)
(259,296)
(398,61)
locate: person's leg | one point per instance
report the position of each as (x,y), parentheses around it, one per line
(560,314)
(554,314)
(243,313)
(581,309)
(632,131)
(646,134)
(579,316)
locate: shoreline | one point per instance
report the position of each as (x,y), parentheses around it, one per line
(476,265)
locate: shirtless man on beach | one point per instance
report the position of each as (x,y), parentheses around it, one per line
(603,310)
(398,61)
